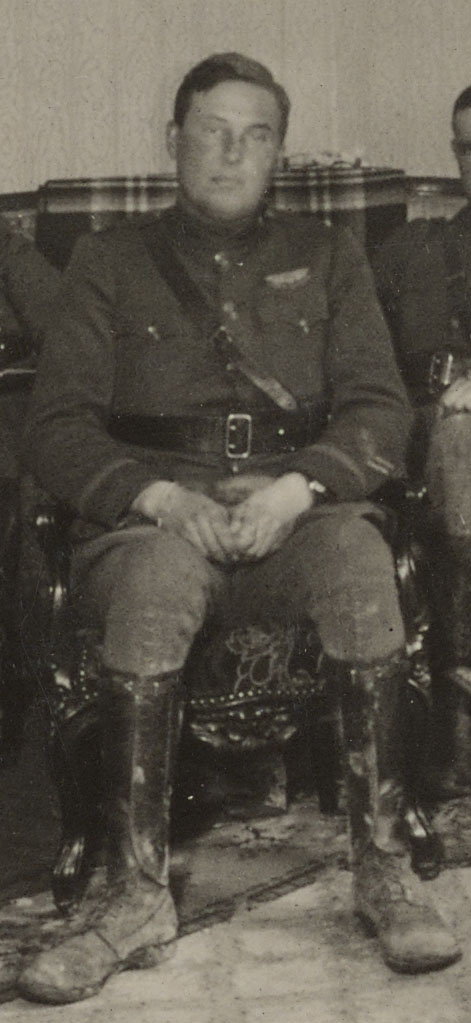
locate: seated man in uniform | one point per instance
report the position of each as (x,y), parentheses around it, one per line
(28,286)
(216,404)
(423,277)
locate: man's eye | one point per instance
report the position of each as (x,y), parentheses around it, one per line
(260,134)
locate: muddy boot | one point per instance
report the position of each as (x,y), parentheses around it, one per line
(142,718)
(387,896)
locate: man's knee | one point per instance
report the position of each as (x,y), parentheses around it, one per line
(152,593)
(360,617)
(448,473)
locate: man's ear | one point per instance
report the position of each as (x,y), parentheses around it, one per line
(171,136)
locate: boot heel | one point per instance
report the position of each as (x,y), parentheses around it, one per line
(149,958)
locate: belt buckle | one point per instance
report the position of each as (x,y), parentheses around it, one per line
(238,440)
(440,370)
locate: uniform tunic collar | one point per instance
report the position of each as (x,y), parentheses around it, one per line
(193,231)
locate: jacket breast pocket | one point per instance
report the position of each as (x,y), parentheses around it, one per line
(293,325)
(301,308)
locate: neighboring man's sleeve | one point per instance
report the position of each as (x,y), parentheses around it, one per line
(28,281)
(365,440)
(68,446)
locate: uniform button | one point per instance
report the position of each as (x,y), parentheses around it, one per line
(230,310)
(230,367)
(304,325)
(454,322)
(152,330)
(222,261)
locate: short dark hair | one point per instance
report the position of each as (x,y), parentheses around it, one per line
(463,102)
(229,67)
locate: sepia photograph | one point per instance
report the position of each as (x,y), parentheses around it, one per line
(235,511)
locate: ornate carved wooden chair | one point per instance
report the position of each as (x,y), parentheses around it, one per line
(255,698)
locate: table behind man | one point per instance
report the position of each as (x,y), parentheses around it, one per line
(216,404)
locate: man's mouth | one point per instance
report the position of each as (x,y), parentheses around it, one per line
(226,182)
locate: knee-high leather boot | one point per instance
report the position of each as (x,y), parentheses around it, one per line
(455,611)
(412,936)
(141,726)
(77,768)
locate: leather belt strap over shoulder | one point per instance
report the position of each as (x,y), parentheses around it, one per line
(237,435)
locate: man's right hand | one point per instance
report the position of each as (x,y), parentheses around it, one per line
(200,520)
(457,397)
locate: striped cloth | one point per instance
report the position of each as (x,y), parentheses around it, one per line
(318,189)
(369,200)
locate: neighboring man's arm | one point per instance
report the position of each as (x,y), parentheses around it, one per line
(29,283)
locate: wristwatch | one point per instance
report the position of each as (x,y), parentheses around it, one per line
(319,491)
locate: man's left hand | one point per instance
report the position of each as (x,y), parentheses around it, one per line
(261,522)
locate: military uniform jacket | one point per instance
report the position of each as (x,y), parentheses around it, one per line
(297,294)
(427,301)
(28,285)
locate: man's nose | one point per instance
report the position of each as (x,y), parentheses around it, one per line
(234,148)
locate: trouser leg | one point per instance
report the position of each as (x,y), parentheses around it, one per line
(335,571)
(448,478)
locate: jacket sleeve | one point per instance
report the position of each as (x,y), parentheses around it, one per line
(29,285)
(365,439)
(68,445)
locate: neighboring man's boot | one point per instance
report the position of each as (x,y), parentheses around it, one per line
(456,610)
(142,721)
(452,684)
(387,896)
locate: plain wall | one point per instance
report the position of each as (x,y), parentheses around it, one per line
(87,85)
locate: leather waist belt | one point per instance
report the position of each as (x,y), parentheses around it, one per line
(437,370)
(237,435)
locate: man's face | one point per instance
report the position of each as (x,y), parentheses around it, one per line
(227,148)
(462,147)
